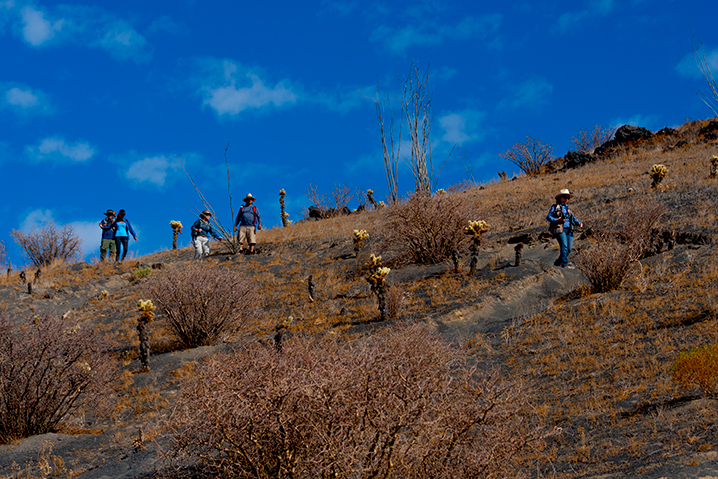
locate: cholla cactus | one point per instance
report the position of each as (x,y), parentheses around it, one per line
(358,236)
(441,191)
(280,328)
(378,277)
(381,204)
(475,230)
(176,229)
(282,212)
(658,172)
(370,198)
(145,307)
(714,166)
(105,293)
(377,281)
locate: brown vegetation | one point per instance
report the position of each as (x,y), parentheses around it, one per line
(49,244)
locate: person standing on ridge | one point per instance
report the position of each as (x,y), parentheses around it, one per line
(562,222)
(248,221)
(108,236)
(123,230)
(200,229)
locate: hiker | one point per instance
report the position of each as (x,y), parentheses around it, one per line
(249,222)
(200,229)
(562,224)
(108,236)
(123,230)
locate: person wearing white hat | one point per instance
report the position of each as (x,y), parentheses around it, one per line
(562,222)
(201,230)
(248,221)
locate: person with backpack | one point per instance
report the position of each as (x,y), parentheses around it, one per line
(248,221)
(200,230)
(123,230)
(562,222)
(108,236)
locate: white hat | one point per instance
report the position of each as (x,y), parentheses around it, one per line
(564,192)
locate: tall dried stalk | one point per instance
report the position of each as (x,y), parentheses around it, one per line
(227,234)
(703,66)
(390,147)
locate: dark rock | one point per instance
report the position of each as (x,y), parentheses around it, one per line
(680,144)
(713,135)
(709,128)
(576,159)
(666,132)
(605,150)
(316,213)
(157,265)
(80,266)
(525,238)
(687,237)
(632,133)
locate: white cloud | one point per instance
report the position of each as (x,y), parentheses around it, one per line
(36,29)
(92,27)
(596,8)
(24,101)
(651,122)
(229,89)
(529,95)
(463,126)
(430,32)
(688,66)
(56,149)
(36,219)
(124,42)
(155,170)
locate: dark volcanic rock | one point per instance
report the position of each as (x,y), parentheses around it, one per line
(709,128)
(632,133)
(666,132)
(576,159)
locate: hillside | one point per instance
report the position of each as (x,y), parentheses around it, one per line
(592,368)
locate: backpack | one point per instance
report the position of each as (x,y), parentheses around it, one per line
(556,227)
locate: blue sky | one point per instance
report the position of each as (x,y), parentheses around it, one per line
(97,98)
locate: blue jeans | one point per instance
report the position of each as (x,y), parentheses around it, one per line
(565,242)
(121,241)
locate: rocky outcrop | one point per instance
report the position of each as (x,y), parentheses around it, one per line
(628,133)
(576,159)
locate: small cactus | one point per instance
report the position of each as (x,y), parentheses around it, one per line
(475,230)
(176,229)
(370,199)
(358,237)
(658,172)
(377,280)
(714,166)
(283,213)
(145,307)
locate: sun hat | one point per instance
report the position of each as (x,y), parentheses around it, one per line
(248,197)
(205,213)
(564,192)
(109,213)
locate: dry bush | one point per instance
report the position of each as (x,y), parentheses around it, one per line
(49,244)
(340,197)
(49,368)
(402,403)
(530,156)
(202,304)
(586,141)
(429,227)
(620,242)
(697,367)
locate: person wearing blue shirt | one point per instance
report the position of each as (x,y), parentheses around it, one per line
(123,230)
(248,221)
(562,222)
(108,236)
(200,230)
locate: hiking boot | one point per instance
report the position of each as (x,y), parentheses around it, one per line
(569,266)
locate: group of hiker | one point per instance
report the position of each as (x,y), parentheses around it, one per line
(247,222)
(116,230)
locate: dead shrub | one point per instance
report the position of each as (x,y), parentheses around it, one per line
(49,368)
(697,367)
(49,244)
(430,228)
(399,404)
(395,303)
(620,242)
(586,141)
(530,156)
(202,304)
